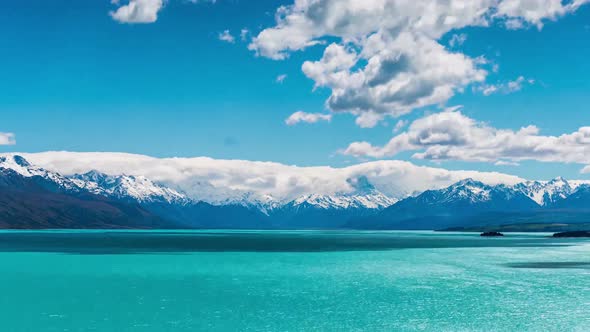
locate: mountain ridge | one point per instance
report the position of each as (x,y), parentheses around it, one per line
(363,206)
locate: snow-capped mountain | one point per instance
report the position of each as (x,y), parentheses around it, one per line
(142,190)
(462,202)
(363,196)
(546,193)
(111,199)
(374,201)
(332,211)
(125,187)
(263,203)
(34,198)
(18,165)
(466,190)
(133,188)
(468,193)
(468,203)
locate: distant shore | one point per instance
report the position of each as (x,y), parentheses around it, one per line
(528,227)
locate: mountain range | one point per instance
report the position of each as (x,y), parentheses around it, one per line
(33,197)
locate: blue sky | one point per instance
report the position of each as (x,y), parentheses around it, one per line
(75,79)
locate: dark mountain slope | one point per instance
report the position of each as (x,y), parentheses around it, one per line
(38,202)
(461,204)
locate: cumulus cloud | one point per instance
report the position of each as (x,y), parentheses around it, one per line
(7,139)
(141,11)
(138,11)
(401,74)
(301,116)
(226,36)
(384,58)
(215,180)
(520,13)
(454,136)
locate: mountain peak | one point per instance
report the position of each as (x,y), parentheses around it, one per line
(93,175)
(545,193)
(361,185)
(469,182)
(20,165)
(14,160)
(559,180)
(137,188)
(21,161)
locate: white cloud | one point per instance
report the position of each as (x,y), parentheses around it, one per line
(506,163)
(138,11)
(214,180)
(7,139)
(457,39)
(385,58)
(454,136)
(301,116)
(535,12)
(400,125)
(141,11)
(226,36)
(244,33)
(281,78)
(400,75)
(506,88)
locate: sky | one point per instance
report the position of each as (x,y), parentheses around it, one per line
(494,85)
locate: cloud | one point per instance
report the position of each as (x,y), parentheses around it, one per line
(384,57)
(457,39)
(138,11)
(506,163)
(215,180)
(141,11)
(226,36)
(301,116)
(400,125)
(281,78)
(401,75)
(244,33)
(520,13)
(7,139)
(505,88)
(454,136)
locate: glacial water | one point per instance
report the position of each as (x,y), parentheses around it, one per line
(292,281)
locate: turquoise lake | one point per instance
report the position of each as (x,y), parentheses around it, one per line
(292,281)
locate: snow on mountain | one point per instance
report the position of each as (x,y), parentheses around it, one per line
(143,190)
(467,189)
(136,188)
(546,193)
(363,196)
(21,166)
(469,192)
(264,203)
(375,201)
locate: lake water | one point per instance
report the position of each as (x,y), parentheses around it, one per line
(292,281)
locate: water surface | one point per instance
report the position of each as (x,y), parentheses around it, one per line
(292,281)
